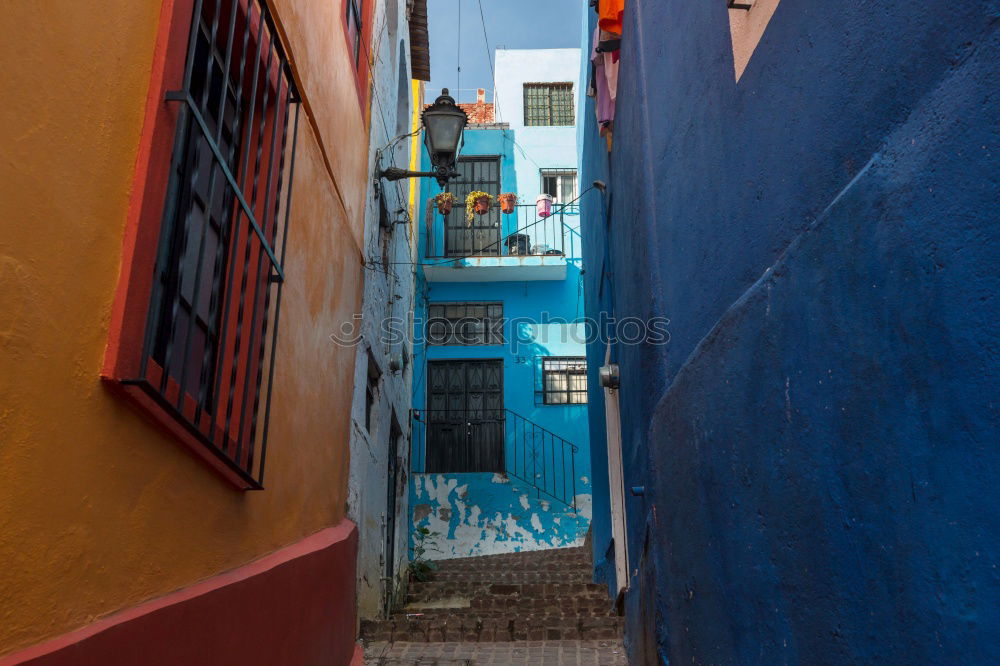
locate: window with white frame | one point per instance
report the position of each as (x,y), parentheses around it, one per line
(560,184)
(564,380)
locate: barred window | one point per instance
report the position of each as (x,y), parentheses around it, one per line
(213,306)
(564,380)
(354,27)
(465,324)
(548,104)
(560,184)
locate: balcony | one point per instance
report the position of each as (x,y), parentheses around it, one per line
(499,247)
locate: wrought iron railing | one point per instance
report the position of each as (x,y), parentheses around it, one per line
(522,232)
(495,440)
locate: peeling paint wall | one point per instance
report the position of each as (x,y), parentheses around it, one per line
(388,293)
(486,514)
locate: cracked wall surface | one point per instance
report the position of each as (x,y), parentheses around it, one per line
(486,514)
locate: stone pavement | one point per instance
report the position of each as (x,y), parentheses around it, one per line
(536,607)
(568,652)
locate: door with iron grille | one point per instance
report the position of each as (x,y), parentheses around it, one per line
(481,236)
(465,416)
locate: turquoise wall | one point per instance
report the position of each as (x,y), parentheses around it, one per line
(490,513)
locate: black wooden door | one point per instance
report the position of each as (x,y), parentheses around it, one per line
(465,416)
(481,236)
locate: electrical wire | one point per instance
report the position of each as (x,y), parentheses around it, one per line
(489,59)
(458,53)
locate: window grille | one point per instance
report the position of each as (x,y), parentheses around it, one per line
(465,324)
(560,184)
(564,381)
(208,352)
(548,104)
(354,28)
(481,236)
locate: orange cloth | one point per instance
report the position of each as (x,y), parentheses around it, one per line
(610,15)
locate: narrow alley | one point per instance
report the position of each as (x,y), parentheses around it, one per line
(468,332)
(531,607)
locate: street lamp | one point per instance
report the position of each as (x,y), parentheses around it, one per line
(444,123)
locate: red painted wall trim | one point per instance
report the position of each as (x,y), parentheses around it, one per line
(149,190)
(294,606)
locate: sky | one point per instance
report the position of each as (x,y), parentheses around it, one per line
(512,24)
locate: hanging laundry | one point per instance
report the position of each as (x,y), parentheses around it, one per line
(605,105)
(610,13)
(610,46)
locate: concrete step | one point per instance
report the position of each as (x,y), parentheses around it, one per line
(536,560)
(585,604)
(512,577)
(473,627)
(420,592)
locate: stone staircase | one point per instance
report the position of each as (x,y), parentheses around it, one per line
(516,597)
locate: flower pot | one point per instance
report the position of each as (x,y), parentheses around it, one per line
(482,205)
(444,207)
(543,205)
(507,202)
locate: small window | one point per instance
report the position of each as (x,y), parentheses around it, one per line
(564,381)
(465,324)
(547,104)
(354,28)
(560,184)
(371,391)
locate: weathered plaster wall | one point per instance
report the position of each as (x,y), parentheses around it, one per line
(816,442)
(491,510)
(388,294)
(98,510)
(486,514)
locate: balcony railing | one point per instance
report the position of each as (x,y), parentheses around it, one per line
(496,234)
(495,440)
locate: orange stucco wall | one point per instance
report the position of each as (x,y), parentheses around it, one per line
(98,510)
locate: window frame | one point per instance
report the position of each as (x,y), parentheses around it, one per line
(565,370)
(358,51)
(559,174)
(547,108)
(492,333)
(170,121)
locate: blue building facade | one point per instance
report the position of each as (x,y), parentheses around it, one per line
(501,459)
(808,192)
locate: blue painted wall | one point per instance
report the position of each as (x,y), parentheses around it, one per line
(486,513)
(818,441)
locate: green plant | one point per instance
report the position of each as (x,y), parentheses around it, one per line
(444,197)
(470,203)
(420,567)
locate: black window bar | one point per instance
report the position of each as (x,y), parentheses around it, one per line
(564,381)
(207,357)
(465,323)
(548,104)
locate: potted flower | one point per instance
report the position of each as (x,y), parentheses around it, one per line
(543,205)
(444,201)
(477,203)
(507,201)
